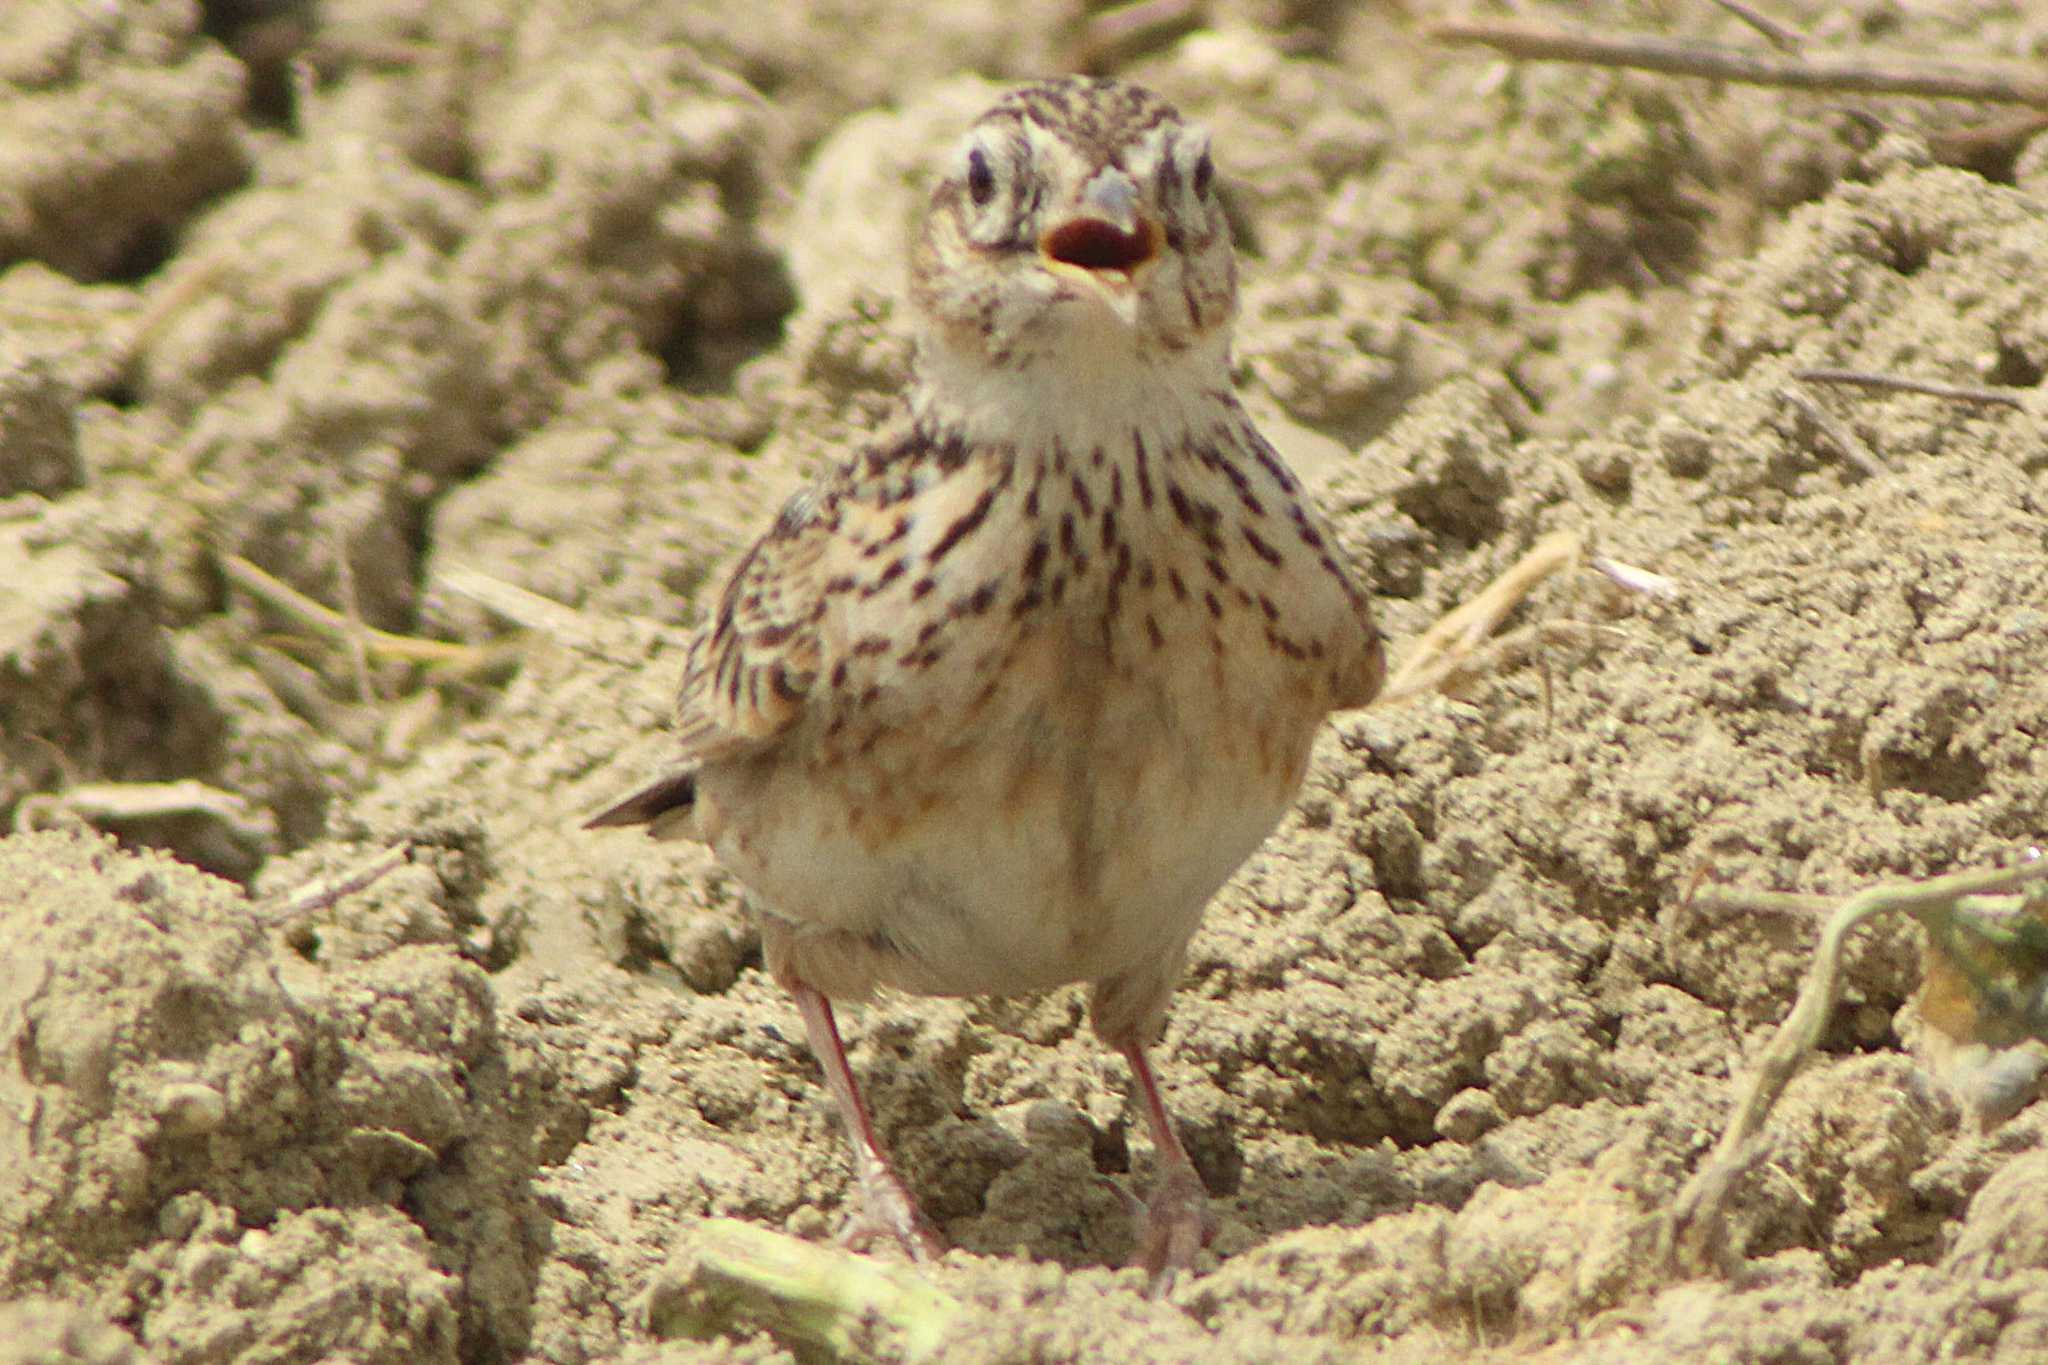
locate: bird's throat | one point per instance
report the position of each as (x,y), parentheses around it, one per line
(1087,394)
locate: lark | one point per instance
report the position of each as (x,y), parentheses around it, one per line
(1000,703)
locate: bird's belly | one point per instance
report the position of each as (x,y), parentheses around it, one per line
(1074,831)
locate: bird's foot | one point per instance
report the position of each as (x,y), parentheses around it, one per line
(886,1207)
(887,1210)
(1172,1227)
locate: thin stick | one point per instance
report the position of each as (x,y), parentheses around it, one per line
(352,612)
(1840,437)
(276,593)
(1821,71)
(1694,1224)
(1457,647)
(1899,383)
(1451,671)
(1632,579)
(117,803)
(1113,37)
(608,636)
(155,317)
(1439,649)
(522,607)
(1781,37)
(322,892)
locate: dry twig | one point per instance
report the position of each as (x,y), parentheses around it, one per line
(1110,38)
(1857,74)
(1445,647)
(1852,450)
(289,601)
(322,892)
(1457,645)
(1693,1231)
(104,804)
(1781,37)
(601,636)
(1898,383)
(1632,579)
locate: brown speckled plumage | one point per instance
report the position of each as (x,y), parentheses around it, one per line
(998,704)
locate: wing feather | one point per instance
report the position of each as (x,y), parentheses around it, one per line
(749,676)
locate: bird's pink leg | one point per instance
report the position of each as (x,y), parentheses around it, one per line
(886,1205)
(1175,1224)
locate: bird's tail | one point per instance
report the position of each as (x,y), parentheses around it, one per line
(665,807)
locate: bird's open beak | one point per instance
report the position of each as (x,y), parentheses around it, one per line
(1108,241)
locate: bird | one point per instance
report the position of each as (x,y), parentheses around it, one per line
(1001,701)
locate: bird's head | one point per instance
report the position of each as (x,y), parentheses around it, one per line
(1077,214)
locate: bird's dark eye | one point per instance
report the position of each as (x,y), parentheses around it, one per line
(981,181)
(1205,172)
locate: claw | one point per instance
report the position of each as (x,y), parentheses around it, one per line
(888,1211)
(886,1207)
(1174,1226)
(1134,1207)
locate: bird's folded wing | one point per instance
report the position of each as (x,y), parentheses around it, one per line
(750,674)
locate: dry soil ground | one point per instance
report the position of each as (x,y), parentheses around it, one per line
(371,296)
